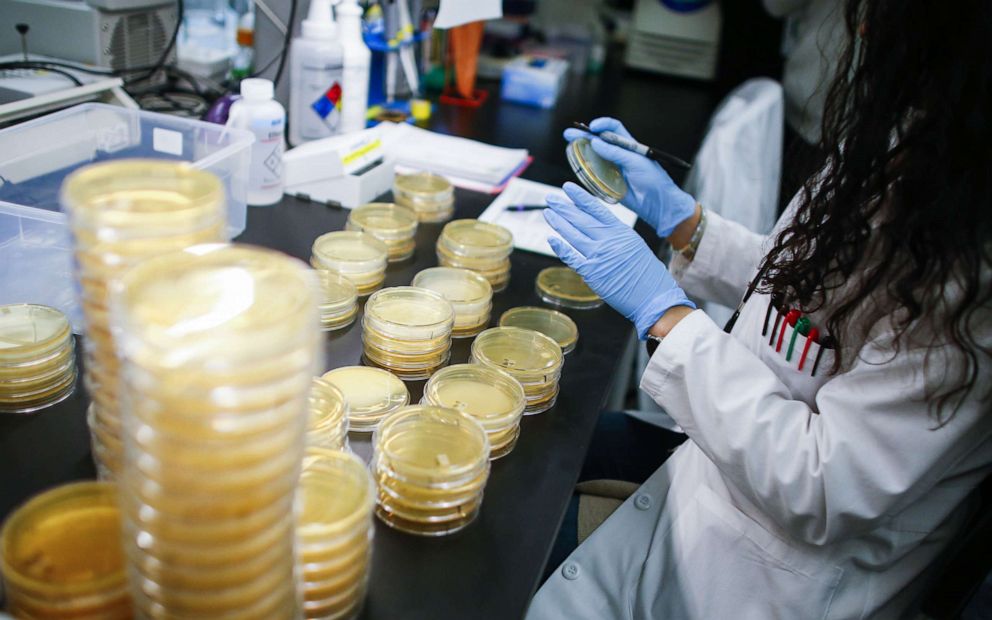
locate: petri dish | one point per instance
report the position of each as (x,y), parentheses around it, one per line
(350,253)
(602,178)
(528,356)
(474,239)
(142,199)
(556,325)
(175,310)
(469,293)
(431,446)
(327,425)
(430,196)
(384,220)
(491,396)
(65,544)
(338,301)
(371,394)
(408,313)
(336,495)
(562,286)
(29,332)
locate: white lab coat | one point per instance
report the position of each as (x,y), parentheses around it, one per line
(796,496)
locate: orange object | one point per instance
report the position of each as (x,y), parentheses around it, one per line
(464,44)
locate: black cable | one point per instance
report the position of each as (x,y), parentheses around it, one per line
(285,44)
(267,66)
(13,66)
(180,12)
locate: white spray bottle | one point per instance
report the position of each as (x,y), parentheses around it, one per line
(316,77)
(357,63)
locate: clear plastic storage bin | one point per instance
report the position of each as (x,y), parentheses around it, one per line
(36,156)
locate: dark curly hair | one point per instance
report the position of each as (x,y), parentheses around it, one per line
(896,227)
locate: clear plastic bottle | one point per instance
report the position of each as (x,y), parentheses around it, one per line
(258,112)
(316,77)
(357,62)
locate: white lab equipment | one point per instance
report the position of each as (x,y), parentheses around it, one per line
(357,63)
(258,112)
(350,169)
(316,77)
(675,37)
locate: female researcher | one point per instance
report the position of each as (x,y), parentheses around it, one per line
(836,431)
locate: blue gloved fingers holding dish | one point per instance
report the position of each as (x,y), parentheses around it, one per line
(612,259)
(652,193)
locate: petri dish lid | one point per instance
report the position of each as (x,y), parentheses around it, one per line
(487,394)
(212,304)
(457,285)
(335,494)
(475,238)
(350,251)
(565,287)
(327,405)
(425,185)
(431,443)
(556,325)
(155,195)
(384,220)
(524,353)
(65,540)
(407,311)
(369,392)
(29,331)
(337,291)
(601,177)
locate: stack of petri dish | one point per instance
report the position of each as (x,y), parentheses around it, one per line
(219,360)
(563,286)
(480,246)
(358,256)
(430,196)
(407,331)
(338,300)
(393,225)
(528,356)
(61,556)
(431,465)
(491,396)
(327,426)
(372,394)
(121,213)
(470,295)
(553,324)
(37,358)
(602,178)
(334,533)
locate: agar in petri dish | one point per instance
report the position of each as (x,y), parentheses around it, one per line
(562,286)
(556,325)
(371,394)
(602,178)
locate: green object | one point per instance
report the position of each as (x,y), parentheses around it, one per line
(802,327)
(434,79)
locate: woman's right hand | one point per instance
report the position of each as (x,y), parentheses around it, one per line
(651,192)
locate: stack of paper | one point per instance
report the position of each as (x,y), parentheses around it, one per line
(530,231)
(466,163)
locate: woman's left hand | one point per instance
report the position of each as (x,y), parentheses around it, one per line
(612,259)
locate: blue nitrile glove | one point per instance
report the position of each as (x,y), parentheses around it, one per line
(612,259)
(652,194)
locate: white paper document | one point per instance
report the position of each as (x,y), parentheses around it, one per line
(530,231)
(466,163)
(458,12)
